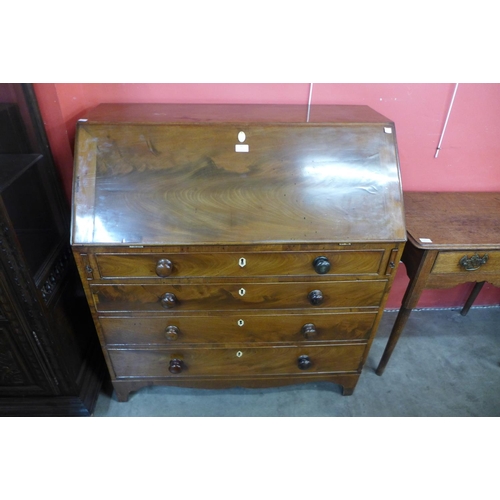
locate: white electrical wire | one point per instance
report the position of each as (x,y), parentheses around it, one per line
(309,102)
(446,121)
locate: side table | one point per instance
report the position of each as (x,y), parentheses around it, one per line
(453,238)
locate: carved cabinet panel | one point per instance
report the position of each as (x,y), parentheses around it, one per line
(50,362)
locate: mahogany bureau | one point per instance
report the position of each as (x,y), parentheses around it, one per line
(236,245)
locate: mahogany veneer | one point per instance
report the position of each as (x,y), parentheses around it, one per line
(236,245)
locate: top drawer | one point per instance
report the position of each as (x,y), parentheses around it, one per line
(242,264)
(481,261)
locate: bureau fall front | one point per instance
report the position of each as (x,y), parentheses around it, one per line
(236,245)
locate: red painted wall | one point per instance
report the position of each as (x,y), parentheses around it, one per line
(469,158)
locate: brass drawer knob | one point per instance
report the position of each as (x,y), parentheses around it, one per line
(315,297)
(168,300)
(303,362)
(164,268)
(473,263)
(175,366)
(309,330)
(172,332)
(321,265)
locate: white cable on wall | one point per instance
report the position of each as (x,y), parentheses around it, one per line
(309,102)
(446,121)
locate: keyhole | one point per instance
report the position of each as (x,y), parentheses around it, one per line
(242,291)
(242,262)
(241,322)
(239,354)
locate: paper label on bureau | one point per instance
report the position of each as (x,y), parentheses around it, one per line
(241,148)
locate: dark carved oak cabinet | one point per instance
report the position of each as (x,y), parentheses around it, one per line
(50,362)
(236,245)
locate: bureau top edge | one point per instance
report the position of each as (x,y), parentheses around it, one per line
(307,244)
(202,114)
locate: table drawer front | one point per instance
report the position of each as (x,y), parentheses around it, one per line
(469,262)
(242,360)
(231,297)
(180,265)
(238,328)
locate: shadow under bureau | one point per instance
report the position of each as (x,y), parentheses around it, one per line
(236,245)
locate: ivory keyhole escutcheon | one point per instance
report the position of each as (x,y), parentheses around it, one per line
(242,291)
(241,322)
(239,354)
(241,148)
(242,262)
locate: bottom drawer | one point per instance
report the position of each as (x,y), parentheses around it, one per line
(240,360)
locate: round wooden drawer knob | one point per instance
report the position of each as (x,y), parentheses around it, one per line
(175,366)
(303,362)
(164,268)
(315,297)
(168,300)
(321,265)
(172,332)
(309,330)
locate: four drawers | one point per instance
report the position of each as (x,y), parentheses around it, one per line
(237,313)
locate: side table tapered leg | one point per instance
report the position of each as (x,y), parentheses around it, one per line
(399,324)
(472,297)
(418,264)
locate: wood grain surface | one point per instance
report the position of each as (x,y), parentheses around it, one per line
(225,361)
(461,220)
(449,262)
(229,296)
(165,183)
(120,114)
(236,245)
(238,327)
(219,264)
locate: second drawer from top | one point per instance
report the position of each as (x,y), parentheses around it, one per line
(234,297)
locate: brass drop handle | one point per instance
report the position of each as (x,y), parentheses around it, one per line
(303,362)
(309,330)
(321,265)
(175,366)
(164,268)
(315,297)
(473,263)
(168,300)
(172,332)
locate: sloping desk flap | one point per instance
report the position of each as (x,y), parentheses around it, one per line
(223,174)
